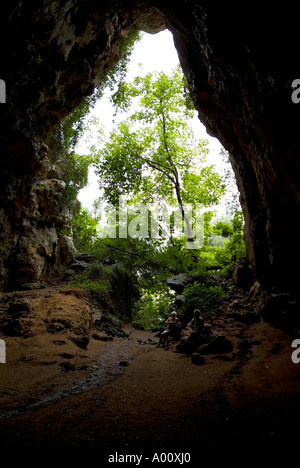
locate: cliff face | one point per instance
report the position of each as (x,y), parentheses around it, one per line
(57,52)
(237,61)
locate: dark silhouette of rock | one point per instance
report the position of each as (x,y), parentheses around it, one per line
(197,359)
(190,343)
(217,344)
(242,274)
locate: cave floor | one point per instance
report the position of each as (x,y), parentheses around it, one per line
(128,396)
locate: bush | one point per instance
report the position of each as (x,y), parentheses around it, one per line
(234,245)
(204,295)
(100,286)
(96,271)
(150,310)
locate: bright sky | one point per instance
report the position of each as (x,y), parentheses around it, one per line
(155,53)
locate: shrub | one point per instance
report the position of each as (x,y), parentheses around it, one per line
(204,295)
(150,310)
(100,286)
(96,271)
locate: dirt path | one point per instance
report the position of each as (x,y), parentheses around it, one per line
(112,361)
(128,396)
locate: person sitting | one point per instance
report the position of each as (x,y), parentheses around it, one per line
(197,322)
(173,327)
(197,328)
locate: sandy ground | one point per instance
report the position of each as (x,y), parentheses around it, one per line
(125,395)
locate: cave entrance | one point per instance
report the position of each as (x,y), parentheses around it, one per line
(222,237)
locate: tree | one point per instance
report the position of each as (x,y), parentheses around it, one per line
(74,125)
(75,169)
(84,229)
(153,155)
(234,245)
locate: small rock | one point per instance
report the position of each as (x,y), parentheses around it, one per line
(101,337)
(32,286)
(81,341)
(18,327)
(180,299)
(123,363)
(67,366)
(59,342)
(22,306)
(85,257)
(67,355)
(79,266)
(197,359)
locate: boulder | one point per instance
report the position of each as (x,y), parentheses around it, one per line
(217,344)
(242,275)
(178,282)
(197,359)
(190,343)
(282,309)
(179,300)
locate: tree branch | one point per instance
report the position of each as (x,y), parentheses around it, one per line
(156,166)
(154,264)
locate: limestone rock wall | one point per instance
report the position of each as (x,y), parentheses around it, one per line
(56,53)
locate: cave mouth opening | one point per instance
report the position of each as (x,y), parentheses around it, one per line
(152,53)
(155,51)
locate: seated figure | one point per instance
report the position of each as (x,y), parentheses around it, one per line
(173,328)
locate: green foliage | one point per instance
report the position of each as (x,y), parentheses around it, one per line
(94,278)
(84,229)
(223,229)
(203,295)
(73,126)
(150,310)
(234,246)
(153,156)
(120,277)
(75,175)
(107,280)
(101,287)
(96,271)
